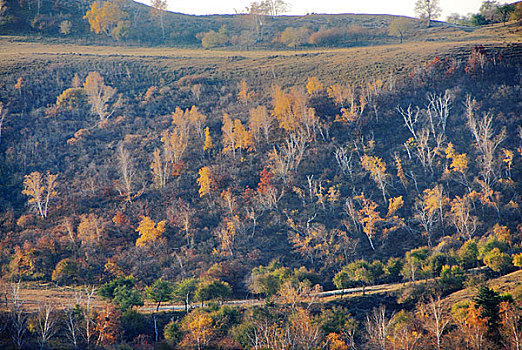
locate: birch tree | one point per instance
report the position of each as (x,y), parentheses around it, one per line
(46,324)
(99,95)
(41,190)
(3,114)
(158,8)
(126,183)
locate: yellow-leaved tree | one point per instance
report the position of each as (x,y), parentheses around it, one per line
(90,230)
(459,162)
(226,235)
(341,93)
(166,160)
(204,181)
(41,190)
(99,95)
(292,112)
(461,216)
(377,169)
(366,219)
(260,123)
(245,94)
(208,145)
(198,329)
(107,18)
(314,86)
(235,136)
(149,231)
(229,140)
(431,203)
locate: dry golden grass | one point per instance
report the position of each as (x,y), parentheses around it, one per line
(505,284)
(34,294)
(285,68)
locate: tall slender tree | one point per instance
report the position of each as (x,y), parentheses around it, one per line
(158,8)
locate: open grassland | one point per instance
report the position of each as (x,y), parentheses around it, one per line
(34,294)
(286,68)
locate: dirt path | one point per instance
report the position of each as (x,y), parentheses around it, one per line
(33,294)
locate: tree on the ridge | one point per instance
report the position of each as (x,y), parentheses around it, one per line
(107,18)
(399,27)
(428,9)
(158,8)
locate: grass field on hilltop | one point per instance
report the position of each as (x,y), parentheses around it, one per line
(265,68)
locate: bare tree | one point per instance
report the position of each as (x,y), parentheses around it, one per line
(377,328)
(3,111)
(410,118)
(511,324)
(127,172)
(486,141)
(18,317)
(428,9)
(183,216)
(253,213)
(433,319)
(426,152)
(426,218)
(72,323)
(344,160)
(256,13)
(289,156)
(88,315)
(439,106)
(46,326)
(276,7)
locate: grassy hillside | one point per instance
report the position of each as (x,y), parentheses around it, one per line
(137,24)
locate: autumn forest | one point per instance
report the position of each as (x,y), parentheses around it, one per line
(268,195)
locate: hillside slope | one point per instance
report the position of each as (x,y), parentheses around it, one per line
(161,174)
(138,25)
